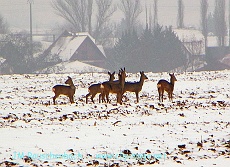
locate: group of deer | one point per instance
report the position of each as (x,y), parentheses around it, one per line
(119,87)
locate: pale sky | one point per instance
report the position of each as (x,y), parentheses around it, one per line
(16,12)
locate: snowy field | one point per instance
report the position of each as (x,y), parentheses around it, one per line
(193,130)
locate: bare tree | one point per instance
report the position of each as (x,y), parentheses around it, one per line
(73,11)
(105,11)
(3,25)
(90,11)
(180,15)
(219,19)
(131,10)
(155,16)
(229,24)
(204,20)
(79,14)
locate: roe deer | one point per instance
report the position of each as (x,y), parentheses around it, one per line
(135,86)
(114,87)
(164,85)
(65,90)
(95,88)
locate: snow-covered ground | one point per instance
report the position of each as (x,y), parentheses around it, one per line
(194,130)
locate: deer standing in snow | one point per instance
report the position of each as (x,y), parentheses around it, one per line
(164,85)
(95,88)
(65,90)
(135,86)
(114,87)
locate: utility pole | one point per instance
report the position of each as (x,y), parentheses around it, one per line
(155,7)
(31,30)
(229,25)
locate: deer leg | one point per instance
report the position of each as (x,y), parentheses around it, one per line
(93,95)
(119,98)
(171,96)
(86,97)
(162,95)
(71,99)
(100,96)
(107,97)
(54,98)
(103,97)
(137,97)
(159,93)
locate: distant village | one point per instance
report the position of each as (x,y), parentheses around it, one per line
(150,47)
(78,52)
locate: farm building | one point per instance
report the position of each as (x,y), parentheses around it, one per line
(72,49)
(193,46)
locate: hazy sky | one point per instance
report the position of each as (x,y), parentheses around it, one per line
(16,12)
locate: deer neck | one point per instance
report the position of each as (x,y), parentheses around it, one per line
(122,82)
(172,82)
(110,80)
(141,82)
(72,86)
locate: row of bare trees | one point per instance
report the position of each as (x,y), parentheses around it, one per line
(80,13)
(217,19)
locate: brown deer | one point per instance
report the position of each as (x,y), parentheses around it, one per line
(65,90)
(135,86)
(164,85)
(114,87)
(95,88)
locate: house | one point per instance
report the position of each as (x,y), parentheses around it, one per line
(192,39)
(193,46)
(217,57)
(76,47)
(213,50)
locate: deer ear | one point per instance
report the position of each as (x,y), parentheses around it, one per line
(69,77)
(109,73)
(113,73)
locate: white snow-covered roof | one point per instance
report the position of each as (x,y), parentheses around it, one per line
(71,67)
(78,34)
(101,48)
(189,35)
(66,46)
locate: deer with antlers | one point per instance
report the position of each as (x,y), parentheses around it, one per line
(135,86)
(164,85)
(116,87)
(68,91)
(96,88)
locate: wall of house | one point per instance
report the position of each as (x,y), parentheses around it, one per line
(217,53)
(89,53)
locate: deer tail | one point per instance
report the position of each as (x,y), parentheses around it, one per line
(158,86)
(53,89)
(88,90)
(102,86)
